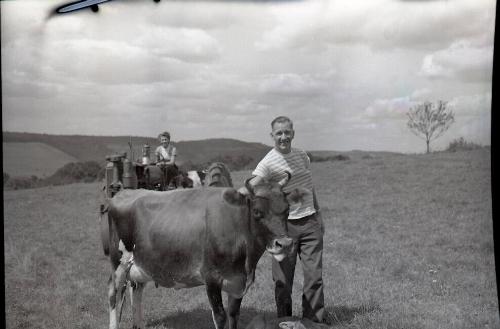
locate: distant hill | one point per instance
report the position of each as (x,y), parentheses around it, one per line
(351,155)
(39,159)
(27,154)
(83,148)
(95,148)
(204,150)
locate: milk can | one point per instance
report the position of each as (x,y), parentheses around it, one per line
(146,149)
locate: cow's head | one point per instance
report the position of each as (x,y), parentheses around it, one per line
(183,180)
(268,208)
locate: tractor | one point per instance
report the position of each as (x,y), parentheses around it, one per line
(122,173)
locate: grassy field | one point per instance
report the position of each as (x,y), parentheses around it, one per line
(26,159)
(409,244)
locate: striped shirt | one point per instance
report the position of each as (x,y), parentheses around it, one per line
(273,168)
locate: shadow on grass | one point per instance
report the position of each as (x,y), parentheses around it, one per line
(202,318)
(343,314)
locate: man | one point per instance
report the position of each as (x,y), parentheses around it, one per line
(165,159)
(305,225)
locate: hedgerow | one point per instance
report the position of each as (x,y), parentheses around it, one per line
(73,172)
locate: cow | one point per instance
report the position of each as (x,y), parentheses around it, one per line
(196,178)
(190,237)
(216,175)
(183,180)
(190,179)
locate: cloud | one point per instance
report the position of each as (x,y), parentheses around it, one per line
(28,25)
(251,107)
(207,16)
(18,86)
(291,84)
(472,118)
(89,47)
(379,24)
(462,60)
(184,44)
(76,61)
(420,94)
(388,109)
(471,105)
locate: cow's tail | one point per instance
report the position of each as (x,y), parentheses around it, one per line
(114,242)
(104,228)
(218,175)
(109,235)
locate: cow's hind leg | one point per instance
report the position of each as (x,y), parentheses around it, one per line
(138,319)
(215,298)
(233,310)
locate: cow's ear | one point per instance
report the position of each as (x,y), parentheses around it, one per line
(297,195)
(233,197)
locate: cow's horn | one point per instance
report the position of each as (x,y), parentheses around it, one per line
(285,180)
(248,186)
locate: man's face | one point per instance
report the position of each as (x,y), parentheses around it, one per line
(283,134)
(164,140)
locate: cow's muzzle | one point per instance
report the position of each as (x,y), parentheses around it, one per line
(280,247)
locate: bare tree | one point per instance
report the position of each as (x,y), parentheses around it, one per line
(430,120)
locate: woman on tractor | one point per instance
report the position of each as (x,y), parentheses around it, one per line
(165,159)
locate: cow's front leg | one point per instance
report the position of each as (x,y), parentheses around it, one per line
(233,310)
(113,315)
(116,289)
(136,300)
(215,298)
(116,285)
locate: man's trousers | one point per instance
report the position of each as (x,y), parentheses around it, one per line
(308,245)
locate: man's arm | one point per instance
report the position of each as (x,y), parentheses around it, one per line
(255,181)
(260,174)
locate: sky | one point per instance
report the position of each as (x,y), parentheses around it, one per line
(345,71)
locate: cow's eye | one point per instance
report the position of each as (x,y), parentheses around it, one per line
(257,213)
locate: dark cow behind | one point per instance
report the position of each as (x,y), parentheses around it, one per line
(191,237)
(217,175)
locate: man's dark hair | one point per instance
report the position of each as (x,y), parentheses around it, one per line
(281,119)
